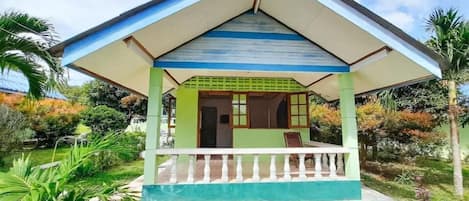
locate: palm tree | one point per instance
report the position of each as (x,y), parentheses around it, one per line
(24,41)
(450,38)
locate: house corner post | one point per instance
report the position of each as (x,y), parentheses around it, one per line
(349,125)
(154,107)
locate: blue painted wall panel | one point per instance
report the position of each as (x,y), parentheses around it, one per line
(252,40)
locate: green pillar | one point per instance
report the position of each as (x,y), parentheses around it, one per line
(349,125)
(155,92)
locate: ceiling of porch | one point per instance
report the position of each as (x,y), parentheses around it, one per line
(122,51)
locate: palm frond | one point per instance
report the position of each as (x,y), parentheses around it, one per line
(36,78)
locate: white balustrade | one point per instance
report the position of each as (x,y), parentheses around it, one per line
(332,168)
(207,168)
(239,169)
(328,163)
(340,163)
(286,167)
(325,166)
(317,165)
(255,168)
(173,178)
(224,168)
(273,168)
(302,168)
(190,170)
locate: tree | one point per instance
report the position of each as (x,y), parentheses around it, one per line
(76,94)
(24,41)
(450,39)
(102,93)
(103,119)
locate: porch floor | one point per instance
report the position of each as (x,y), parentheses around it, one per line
(216,167)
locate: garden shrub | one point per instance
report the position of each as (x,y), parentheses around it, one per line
(13,130)
(50,128)
(102,119)
(392,135)
(49,118)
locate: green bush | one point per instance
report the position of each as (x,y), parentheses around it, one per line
(52,127)
(13,130)
(102,119)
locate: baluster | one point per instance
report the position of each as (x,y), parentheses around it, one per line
(173,178)
(207,168)
(255,168)
(302,167)
(190,171)
(340,164)
(224,169)
(317,165)
(239,168)
(273,168)
(286,167)
(332,167)
(324,163)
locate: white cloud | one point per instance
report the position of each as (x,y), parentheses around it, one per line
(402,20)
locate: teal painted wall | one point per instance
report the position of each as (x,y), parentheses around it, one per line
(305,191)
(186,118)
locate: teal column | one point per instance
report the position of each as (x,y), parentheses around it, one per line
(155,93)
(349,125)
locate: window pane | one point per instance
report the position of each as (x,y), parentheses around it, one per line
(235,120)
(242,98)
(302,98)
(235,109)
(294,99)
(303,121)
(294,110)
(242,120)
(235,99)
(294,120)
(303,110)
(242,109)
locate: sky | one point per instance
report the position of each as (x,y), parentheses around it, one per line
(71,17)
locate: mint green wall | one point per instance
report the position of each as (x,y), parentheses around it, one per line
(186,118)
(250,138)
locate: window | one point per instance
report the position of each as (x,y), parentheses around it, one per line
(269,110)
(298,110)
(240,110)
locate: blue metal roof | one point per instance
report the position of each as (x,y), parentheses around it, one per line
(15,82)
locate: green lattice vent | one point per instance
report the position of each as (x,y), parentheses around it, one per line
(244,84)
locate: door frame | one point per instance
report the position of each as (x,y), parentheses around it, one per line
(199,114)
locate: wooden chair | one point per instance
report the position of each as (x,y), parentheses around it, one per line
(293,139)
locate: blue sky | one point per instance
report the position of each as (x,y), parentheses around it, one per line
(71,17)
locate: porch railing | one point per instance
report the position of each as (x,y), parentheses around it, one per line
(326,163)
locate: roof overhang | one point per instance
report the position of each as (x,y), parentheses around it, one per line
(122,50)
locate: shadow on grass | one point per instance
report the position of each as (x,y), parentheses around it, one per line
(386,187)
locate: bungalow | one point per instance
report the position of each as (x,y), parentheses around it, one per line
(242,72)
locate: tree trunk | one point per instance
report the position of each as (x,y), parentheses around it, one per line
(454,134)
(364,153)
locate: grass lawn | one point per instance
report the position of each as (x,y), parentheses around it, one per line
(38,156)
(438,178)
(121,174)
(463,136)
